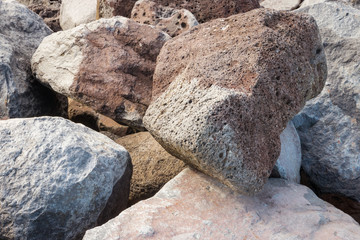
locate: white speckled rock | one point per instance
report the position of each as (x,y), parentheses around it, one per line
(58,178)
(195,206)
(354,3)
(73,13)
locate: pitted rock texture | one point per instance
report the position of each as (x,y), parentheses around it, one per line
(73,13)
(169,20)
(21,32)
(204,10)
(152,165)
(329,125)
(58,179)
(49,11)
(195,206)
(224,91)
(107,65)
(281,4)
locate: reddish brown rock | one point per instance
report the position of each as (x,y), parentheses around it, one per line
(170,20)
(152,165)
(107,65)
(224,91)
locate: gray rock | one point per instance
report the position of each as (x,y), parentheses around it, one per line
(195,206)
(281,4)
(289,162)
(21,32)
(354,3)
(329,125)
(58,178)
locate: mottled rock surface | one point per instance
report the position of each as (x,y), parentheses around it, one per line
(224,91)
(353,3)
(58,178)
(329,125)
(152,165)
(170,20)
(289,162)
(281,4)
(107,65)
(21,32)
(73,13)
(195,206)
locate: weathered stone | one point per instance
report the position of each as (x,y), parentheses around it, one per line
(152,165)
(73,13)
(281,4)
(195,206)
(49,11)
(289,162)
(107,65)
(329,125)
(353,3)
(204,10)
(169,20)
(21,31)
(58,178)
(221,100)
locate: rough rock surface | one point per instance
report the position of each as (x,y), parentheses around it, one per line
(353,3)
(49,11)
(281,4)
(152,165)
(170,20)
(204,10)
(58,178)
(329,125)
(289,162)
(21,32)
(73,13)
(195,206)
(107,65)
(224,91)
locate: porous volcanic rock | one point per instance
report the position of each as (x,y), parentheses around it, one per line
(224,91)
(170,20)
(58,179)
(152,165)
(73,13)
(21,32)
(195,206)
(204,10)
(329,125)
(107,64)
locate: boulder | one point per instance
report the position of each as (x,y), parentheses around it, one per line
(49,11)
(74,13)
(281,4)
(195,206)
(223,92)
(329,125)
(58,179)
(170,20)
(289,162)
(107,65)
(21,32)
(203,10)
(353,3)
(152,165)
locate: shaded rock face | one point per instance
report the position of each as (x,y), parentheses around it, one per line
(282,211)
(152,165)
(203,10)
(49,11)
(21,32)
(58,178)
(225,90)
(74,13)
(107,65)
(169,20)
(329,125)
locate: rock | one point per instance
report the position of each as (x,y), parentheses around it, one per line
(169,20)
(195,206)
(107,65)
(152,165)
(48,10)
(281,4)
(80,113)
(203,10)
(74,13)
(221,101)
(21,31)
(329,125)
(57,191)
(353,3)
